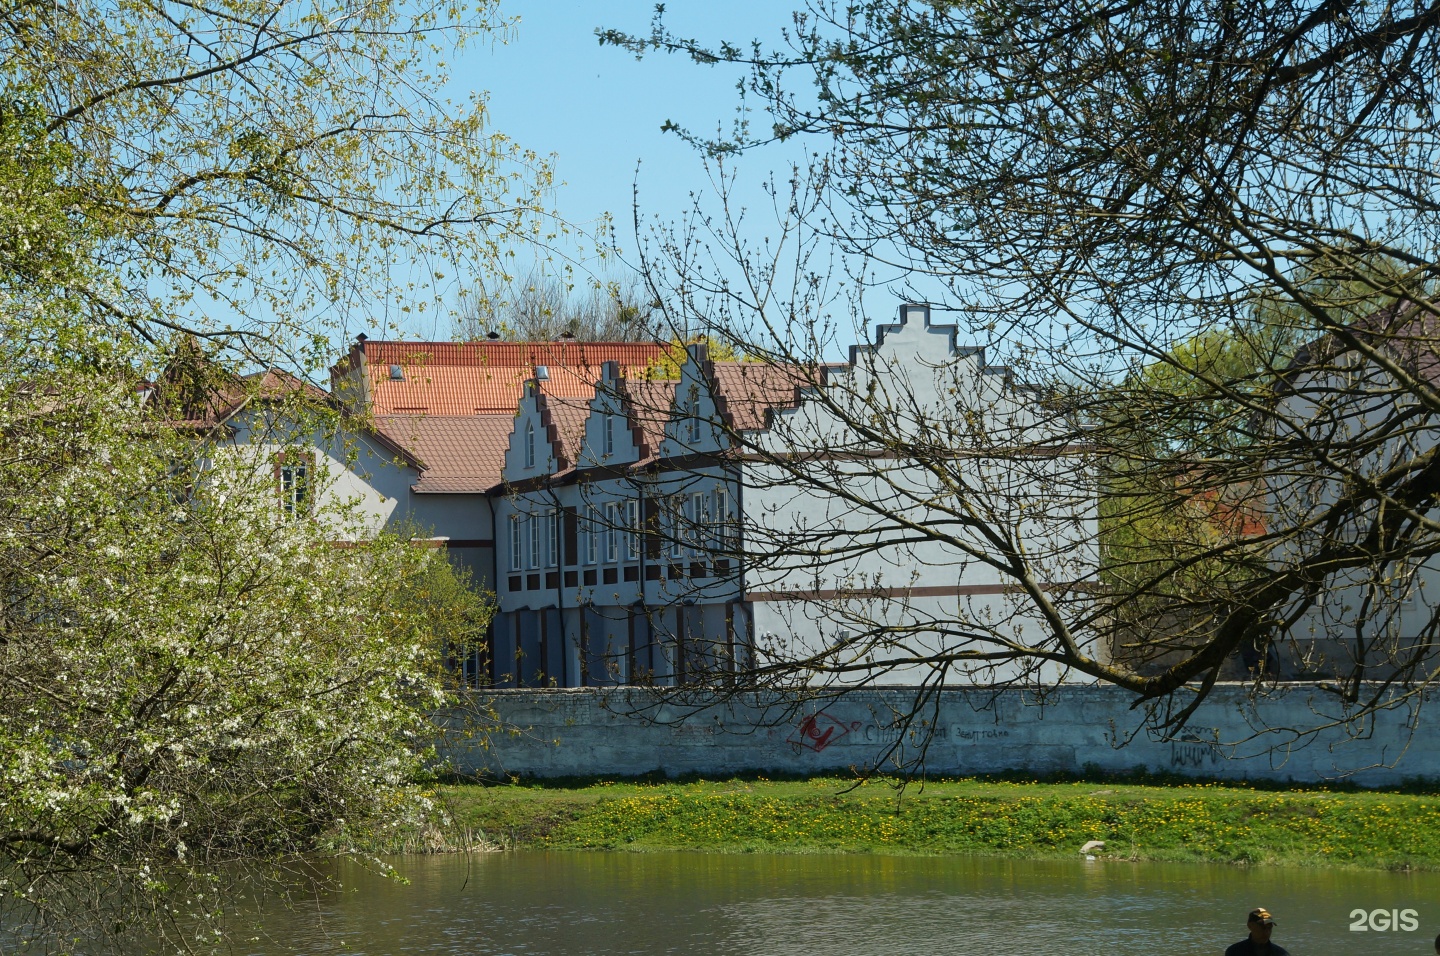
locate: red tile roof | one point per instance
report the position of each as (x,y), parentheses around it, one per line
(211,403)
(568,417)
(649,404)
(747,391)
(461,453)
(484,378)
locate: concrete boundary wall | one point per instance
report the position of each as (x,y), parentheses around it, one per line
(626,732)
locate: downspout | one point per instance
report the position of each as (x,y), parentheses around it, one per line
(495,577)
(642,545)
(560,587)
(740,569)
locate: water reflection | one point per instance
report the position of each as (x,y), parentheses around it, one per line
(650,904)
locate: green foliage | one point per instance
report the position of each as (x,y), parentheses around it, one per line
(195,688)
(241,168)
(668,367)
(42,244)
(441,607)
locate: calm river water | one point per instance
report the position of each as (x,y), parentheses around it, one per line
(654,903)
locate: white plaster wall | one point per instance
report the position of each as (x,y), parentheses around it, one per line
(860,544)
(1072,728)
(1388,611)
(357,485)
(364,488)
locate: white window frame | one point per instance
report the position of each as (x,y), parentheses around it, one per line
(552,539)
(697,514)
(517,544)
(536,540)
(612,532)
(529,444)
(295,483)
(589,527)
(608,437)
(689,430)
(676,513)
(632,530)
(723,519)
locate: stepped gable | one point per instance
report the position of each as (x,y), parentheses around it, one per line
(562,423)
(480,378)
(458,454)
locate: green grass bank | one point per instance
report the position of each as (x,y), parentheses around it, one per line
(1199,822)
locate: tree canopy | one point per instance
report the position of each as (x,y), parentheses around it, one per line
(264,171)
(200,687)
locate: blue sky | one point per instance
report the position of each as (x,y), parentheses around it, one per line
(598,111)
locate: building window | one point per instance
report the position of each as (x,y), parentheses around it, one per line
(677,525)
(697,518)
(692,418)
(517,542)
(632,530)
(294,472)
(612,532)
(609,434)
(589,528)
(552,540)
(536,523)
(724,521)
(529,444)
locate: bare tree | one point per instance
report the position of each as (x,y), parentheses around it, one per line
(541,306)
(1090,191)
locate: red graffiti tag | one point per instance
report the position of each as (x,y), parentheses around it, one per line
(818,731)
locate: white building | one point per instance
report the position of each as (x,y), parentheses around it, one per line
(751,521)
(1351,485)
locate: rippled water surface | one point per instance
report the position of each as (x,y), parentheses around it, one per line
(654,903)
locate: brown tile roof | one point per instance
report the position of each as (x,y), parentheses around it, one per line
(1410,334)
(567,416)
(460,453)
(747,391)
(649,404)
(205,404)
(485,378)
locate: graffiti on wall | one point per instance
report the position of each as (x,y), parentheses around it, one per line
(818,731)
(1191,752)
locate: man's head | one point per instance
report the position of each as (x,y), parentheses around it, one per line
(1261,924)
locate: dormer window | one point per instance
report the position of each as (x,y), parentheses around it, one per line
(397,373)
(529,444)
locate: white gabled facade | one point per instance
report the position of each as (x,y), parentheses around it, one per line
(663,549)
(595,586)
(898,558)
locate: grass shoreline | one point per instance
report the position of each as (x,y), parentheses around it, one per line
(1142,820)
